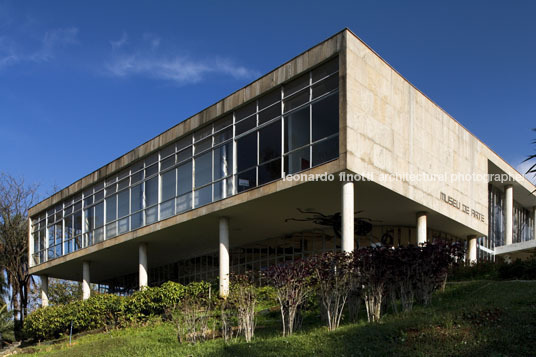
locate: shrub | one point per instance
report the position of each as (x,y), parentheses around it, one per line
(293,284)
(103,311)
(194,313)
(334,277)
(518,269)
(243,296)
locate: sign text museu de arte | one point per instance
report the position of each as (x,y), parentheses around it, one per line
(462,207)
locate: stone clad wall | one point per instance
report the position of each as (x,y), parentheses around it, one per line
(394,128)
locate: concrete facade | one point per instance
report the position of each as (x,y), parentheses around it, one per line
(387,127)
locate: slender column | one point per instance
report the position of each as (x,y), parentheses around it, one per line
(421,228)
(224,257)
(533,222)
(509,214)
(44,290)
(347,216)
(142,257)
(471,250)
(86,291)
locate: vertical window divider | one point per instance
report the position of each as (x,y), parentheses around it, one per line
(257,131)
(282,132)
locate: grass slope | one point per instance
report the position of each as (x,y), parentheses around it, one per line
(491,318)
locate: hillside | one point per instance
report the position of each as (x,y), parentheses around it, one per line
(468,319)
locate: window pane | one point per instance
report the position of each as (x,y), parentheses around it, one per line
(203,145)
(111,230)
(203,133)
(151,170)
(269,172)
(246,151)
(296,85)
(270,113)
(123,225)
(99,235)
(297,161)
(151,192)
(325,86)
(326,117)
(185,178)
(99,215)
(137,177)
(223,122)
(59,230)
(167,163)
(223,136)
(184,142)
(184,154)
(168,185)
(203,169)
(270,142)
(184,202)
(89,220)
(136,221)
(98,196)
(123,203)
(123,183)
(245,111)
(167,151)
(78,223)
(111,209)
(296,101)
(136,198)
(325,150)
(326,69)
(245,125)
(167,209)
(297,129)
(247,180)
(219,188)
(269,98)
(223,161)
(203,196)
(68,227)
(151,215)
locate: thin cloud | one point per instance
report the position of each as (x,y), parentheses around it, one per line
(119,43)
(11,52)
(152,40)
(149,60)
(54,40)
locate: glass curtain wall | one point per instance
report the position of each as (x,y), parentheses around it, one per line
(289,129)
(496,216)
(523,224)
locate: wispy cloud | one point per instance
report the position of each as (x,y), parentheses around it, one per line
(117,44)
(148,59)
(12,53)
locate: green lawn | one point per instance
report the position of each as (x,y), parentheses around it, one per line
(492,318)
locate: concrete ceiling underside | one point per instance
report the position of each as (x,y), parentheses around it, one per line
(252,221)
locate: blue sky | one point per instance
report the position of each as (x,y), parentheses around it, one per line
(82,83)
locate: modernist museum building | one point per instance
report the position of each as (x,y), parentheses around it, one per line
(330,151)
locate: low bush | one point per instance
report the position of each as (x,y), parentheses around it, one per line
(516,270)
(103,311)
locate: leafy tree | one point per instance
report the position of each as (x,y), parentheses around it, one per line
(532,169)
(16,197)
(61,292)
